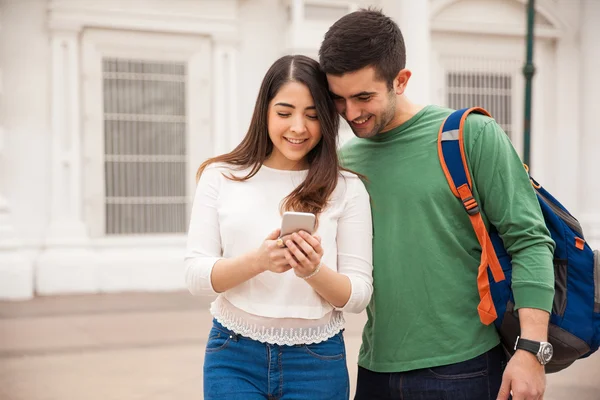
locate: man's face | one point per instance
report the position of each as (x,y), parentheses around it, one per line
(364,101)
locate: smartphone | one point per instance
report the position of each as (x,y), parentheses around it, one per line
(297,221)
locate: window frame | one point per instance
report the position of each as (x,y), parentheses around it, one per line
(192,50)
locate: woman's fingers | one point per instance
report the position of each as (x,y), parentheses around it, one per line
(291,260)
(298,254)
(313,242)
(306,250)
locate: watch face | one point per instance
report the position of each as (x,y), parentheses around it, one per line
(546,352)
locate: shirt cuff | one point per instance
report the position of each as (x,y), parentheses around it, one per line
(359,296)
(198,275)
(533,295)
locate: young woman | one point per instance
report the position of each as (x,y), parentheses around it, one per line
(278,318)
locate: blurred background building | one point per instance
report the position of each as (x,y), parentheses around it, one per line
(108,107)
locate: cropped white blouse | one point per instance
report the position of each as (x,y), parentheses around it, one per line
(231,218)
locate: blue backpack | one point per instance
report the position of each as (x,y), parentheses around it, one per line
(574,329)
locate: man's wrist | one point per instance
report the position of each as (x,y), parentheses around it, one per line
(534,324)
(538,335)
(541,350)
(525,355)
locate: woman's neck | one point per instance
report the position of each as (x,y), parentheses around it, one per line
(285,164)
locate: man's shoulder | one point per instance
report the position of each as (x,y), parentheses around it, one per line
(478,121)
(477,125)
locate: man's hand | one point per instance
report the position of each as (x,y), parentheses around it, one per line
(524,376)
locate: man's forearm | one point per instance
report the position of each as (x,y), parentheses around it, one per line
(534,324)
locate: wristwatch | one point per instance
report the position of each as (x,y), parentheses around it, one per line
(542,350)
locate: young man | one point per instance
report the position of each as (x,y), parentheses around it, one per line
(424,339)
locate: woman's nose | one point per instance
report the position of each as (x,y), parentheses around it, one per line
(298,125)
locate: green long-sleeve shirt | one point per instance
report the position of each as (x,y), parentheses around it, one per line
(423,312)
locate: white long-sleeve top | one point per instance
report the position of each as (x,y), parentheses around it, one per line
(230,218)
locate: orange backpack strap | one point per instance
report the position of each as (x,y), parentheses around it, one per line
(453,160)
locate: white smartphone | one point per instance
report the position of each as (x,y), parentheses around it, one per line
(297,221)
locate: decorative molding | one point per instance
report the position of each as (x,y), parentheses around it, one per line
(110,269)
(548,22)
(206,17)
(304,35)
(491,29)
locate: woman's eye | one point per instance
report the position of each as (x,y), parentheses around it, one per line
(313,117)
(284,115)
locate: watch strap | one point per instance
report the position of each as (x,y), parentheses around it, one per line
(528,345)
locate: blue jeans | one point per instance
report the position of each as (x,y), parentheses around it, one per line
(476,379)
(239,368)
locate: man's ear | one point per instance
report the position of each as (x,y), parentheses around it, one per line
(401,81)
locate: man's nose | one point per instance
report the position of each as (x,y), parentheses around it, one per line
(352,111)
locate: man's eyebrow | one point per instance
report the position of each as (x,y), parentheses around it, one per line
(361,94)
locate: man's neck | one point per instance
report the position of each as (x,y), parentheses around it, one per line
(405,110)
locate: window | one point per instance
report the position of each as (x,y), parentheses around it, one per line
(147,127)
(492,91)
(145,146)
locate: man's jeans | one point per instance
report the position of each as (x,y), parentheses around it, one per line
(476,379)
(239,368)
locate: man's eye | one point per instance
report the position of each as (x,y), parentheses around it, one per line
(364,98)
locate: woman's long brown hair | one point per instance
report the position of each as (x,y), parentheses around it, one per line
(324,168)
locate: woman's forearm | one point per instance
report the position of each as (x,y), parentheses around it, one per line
(228,273)
(332,286)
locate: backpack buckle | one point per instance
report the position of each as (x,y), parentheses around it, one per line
(471,205)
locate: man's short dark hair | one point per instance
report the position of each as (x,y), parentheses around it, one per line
(366,37)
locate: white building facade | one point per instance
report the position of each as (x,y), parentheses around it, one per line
(107,108)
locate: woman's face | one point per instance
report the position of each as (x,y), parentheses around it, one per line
(293,126)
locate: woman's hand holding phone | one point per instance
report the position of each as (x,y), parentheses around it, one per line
(304,253)
(270,257)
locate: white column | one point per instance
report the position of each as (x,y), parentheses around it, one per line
(589,183)
(226,131)
(66,203)
(413,19)
(67,264)
(15,271)
(566,143)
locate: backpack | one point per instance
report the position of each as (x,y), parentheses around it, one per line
(574,329)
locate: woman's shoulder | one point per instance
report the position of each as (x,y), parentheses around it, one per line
(350,184)
(219,166)
(350,179)
(216,169)
(345,174)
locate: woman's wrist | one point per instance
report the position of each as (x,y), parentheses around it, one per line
(313,273)
(253,261)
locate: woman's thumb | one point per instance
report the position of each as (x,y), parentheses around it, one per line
(273,235)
